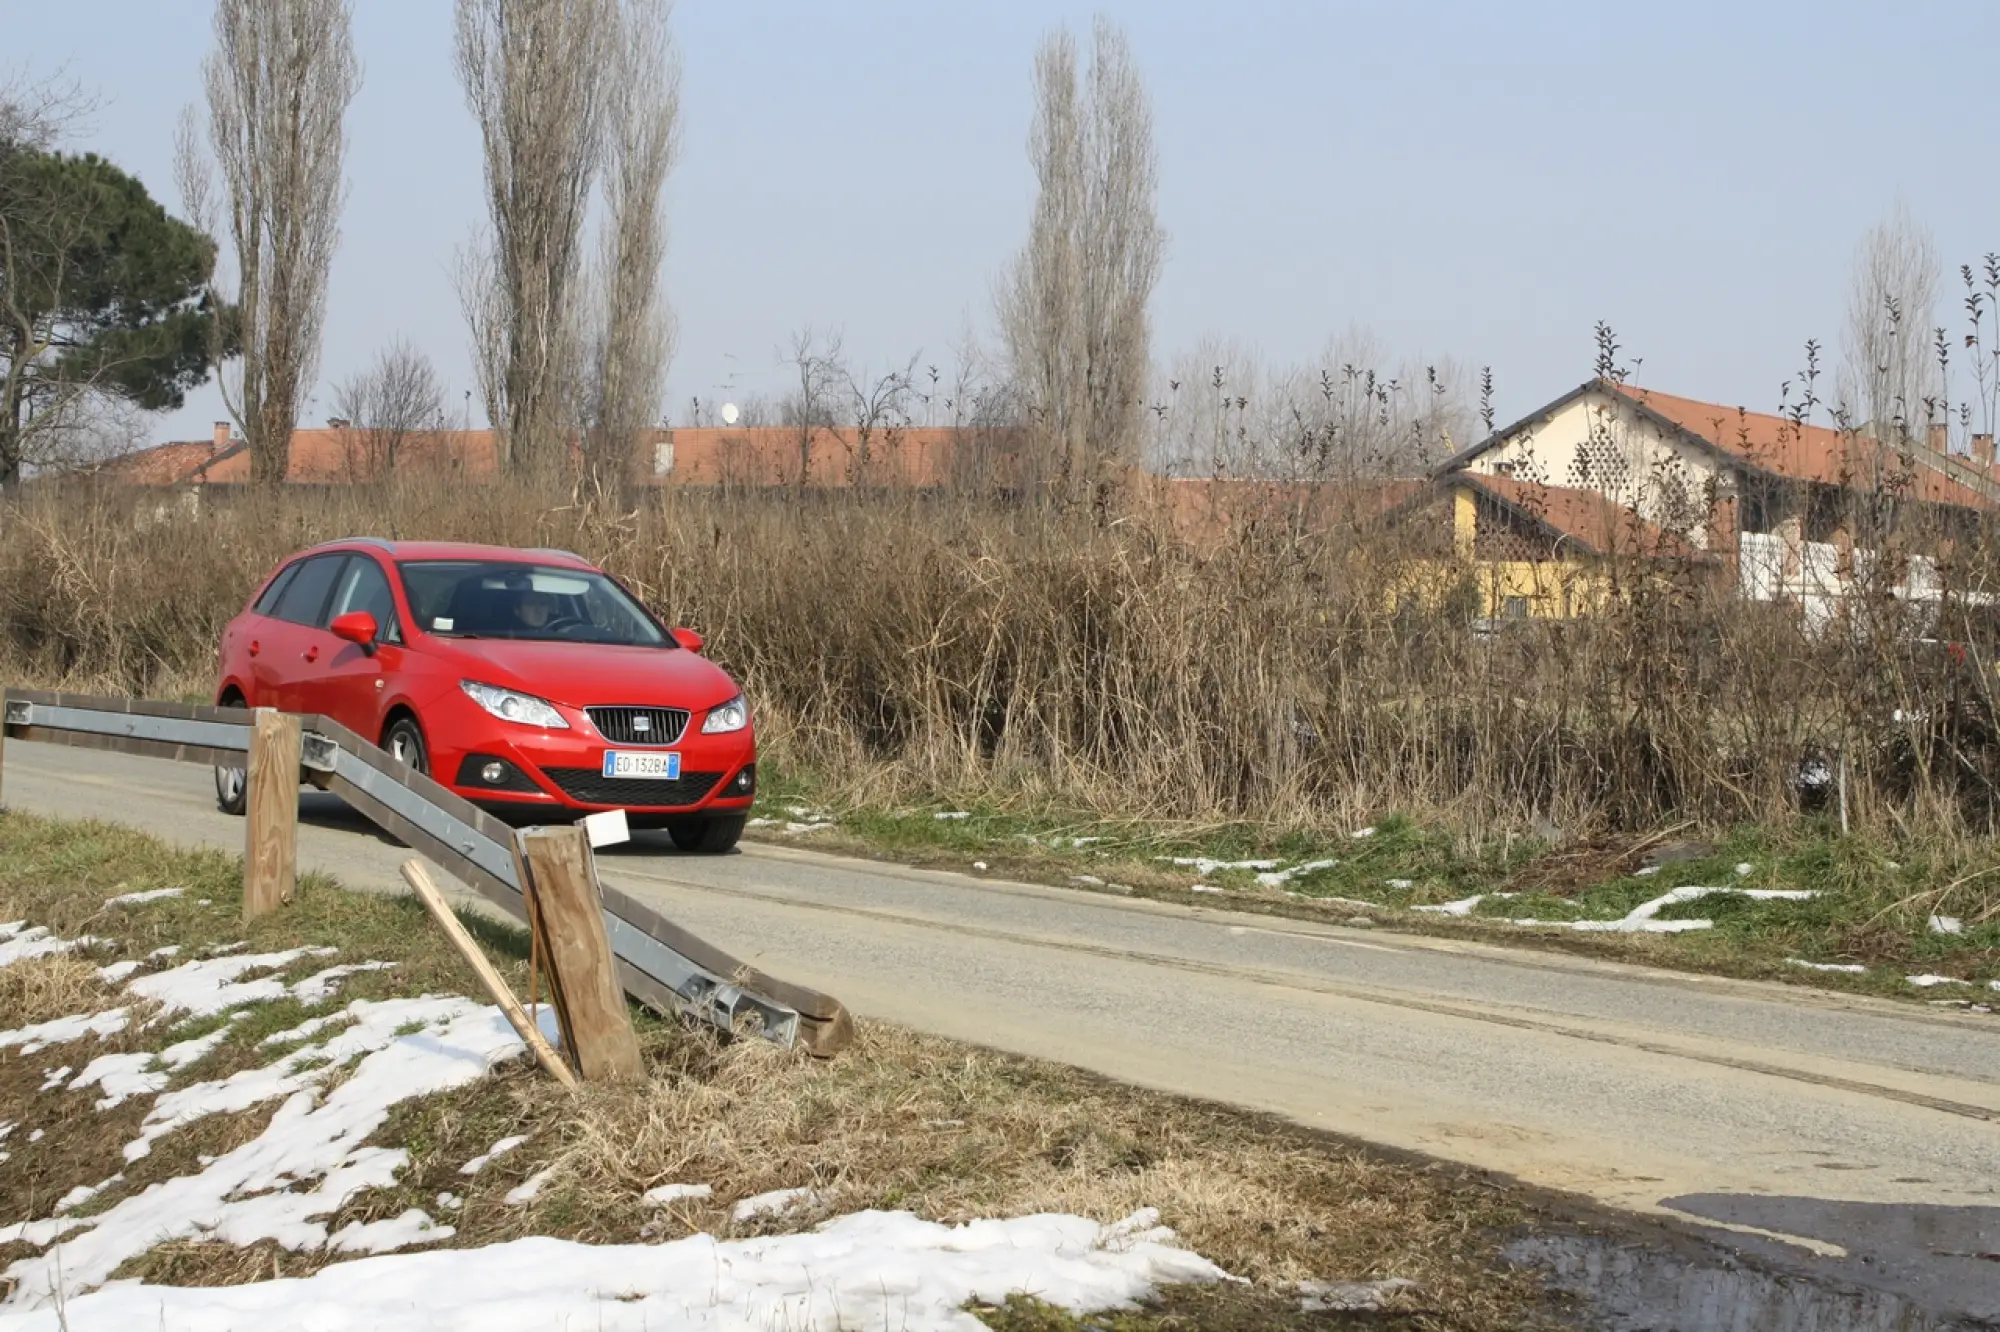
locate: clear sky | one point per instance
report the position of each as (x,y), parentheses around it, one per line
(1461,177)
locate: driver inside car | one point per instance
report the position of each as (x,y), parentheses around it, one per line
(535,610)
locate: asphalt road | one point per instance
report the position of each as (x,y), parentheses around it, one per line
(1644,1090)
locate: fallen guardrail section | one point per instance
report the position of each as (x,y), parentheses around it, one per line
(659,964)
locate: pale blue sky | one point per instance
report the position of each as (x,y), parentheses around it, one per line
(1462,177)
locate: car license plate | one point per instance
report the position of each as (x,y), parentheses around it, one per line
(646,767)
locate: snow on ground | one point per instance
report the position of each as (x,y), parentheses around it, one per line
(673,1193)
(871,1269)
(1360,833)
(1852,968)
(951,815)
(20,941)
(1946,925)
(1203,866)
(151,895)
(319,987)
(63,1030)
(1926,982)
(1278,878)
(530,1188)
(120,971)
(212,985)
(776,1203)
(500,1148)
(143,1073)
(1643,919)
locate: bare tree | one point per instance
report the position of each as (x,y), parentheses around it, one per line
(635,339)
(1889,377)
(38,114)
(879,408)
(533,73)
(279,82)
(1074,306)
(809,408)
(397,401)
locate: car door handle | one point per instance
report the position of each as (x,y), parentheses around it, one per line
(255,647)
(312,653)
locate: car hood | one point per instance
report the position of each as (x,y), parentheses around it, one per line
(587,674)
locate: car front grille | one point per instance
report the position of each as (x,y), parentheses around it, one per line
(589,786)
(638,726)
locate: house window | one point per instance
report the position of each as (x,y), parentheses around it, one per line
(1514,608)
(1503,469)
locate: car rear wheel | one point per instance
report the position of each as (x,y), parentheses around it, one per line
(404,741)
(232,784)
(708,836)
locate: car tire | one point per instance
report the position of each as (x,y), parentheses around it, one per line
(707,837)
(404,742)
(232,784)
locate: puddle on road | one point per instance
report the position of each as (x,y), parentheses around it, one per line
(1627,1287)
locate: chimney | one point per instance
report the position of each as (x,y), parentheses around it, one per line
(338,423)
(1939,437)
(222,434)
(1982,451)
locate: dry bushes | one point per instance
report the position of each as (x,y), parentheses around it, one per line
(1135,660)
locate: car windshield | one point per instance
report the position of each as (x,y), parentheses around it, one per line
(503,599)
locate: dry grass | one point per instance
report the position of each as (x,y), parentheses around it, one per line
(44,988)
(1149,662)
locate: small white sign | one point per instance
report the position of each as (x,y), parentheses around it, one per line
(606,829)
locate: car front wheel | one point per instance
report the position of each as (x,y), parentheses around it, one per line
(706,836)
(404,742)
(232,787)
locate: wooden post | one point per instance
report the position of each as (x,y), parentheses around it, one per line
(419,879)
(580,959)
(271,809)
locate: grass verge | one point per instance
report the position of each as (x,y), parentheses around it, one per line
(1879,911)
(901,1121)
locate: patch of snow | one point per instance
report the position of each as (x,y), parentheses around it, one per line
(1643,919)
(36,1136)
(211,986)
(319,987)
(450,1202)
(62,1030)
(775,1203)
(529,1189)
(1360,833)
(1743,870)
(308,1029)
(979,864)
(1462,907)
(158,954)
(1400,885)
(201,901)
(1645,871)
(1204,888)
(83,1193)
(1946,925)
(309,1160)
(951,814)
(123,1076)
(1089,880)
(40,1233)
(56,1078)
(870,1269)
(1926,982)
(218,950)
(118,971)
(1278,878)
(1852,968)
(386,1236)
(1349,1296)
(673,1193)
(500,1148)
(1203,866)
(24,943)
(150,895)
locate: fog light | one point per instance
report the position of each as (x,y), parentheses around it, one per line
(746,780)
(493,773)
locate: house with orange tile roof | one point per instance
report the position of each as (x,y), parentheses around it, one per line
(1769,500)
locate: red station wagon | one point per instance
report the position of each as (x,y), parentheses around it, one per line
(527,681)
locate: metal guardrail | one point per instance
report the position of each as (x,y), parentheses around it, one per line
(660,964)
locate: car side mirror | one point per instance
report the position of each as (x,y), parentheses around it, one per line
(688,639)
(357,627)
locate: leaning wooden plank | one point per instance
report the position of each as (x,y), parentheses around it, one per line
(580,960)
(419,880)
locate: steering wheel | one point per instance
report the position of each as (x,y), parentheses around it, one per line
(563,625)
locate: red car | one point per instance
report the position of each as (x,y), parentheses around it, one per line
(525,680)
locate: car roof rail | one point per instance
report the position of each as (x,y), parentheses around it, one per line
(566,554)
(377,542)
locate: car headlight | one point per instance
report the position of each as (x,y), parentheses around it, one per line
(731,716)
(510,705)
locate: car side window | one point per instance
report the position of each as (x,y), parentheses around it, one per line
(364,587)
(268,602)
(304,598)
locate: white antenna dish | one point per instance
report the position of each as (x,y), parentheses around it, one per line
(729,413)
